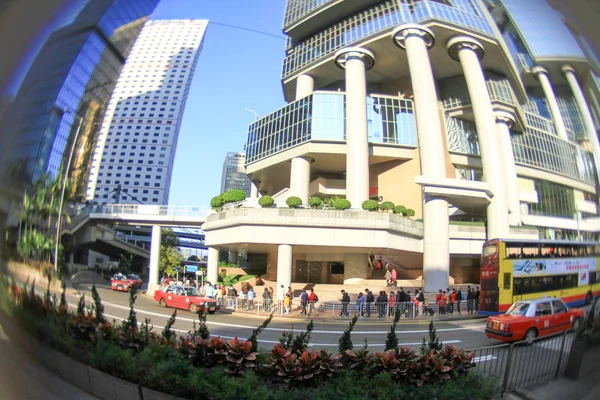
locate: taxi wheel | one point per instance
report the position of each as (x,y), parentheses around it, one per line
(576,323)
(163,303)
(530,335)
(193,308)
(212,312)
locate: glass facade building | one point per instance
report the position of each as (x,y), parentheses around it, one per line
(65,92)
(234,174)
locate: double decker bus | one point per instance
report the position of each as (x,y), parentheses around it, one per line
(513,270)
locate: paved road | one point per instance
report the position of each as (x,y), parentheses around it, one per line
(464,334)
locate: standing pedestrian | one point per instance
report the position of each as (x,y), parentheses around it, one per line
(360,305)
(304,302)
(266,299)
(477,296)
(452,301)
(231,296)
(381,304)
(345,300)
(287,301)
(438,302)
(388,277)
(394,277)
(391,303)
(458,299)
(470,300)
(251,296)
(370,299)
(312,300)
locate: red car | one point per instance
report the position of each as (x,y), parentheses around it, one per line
(528,319)
(185,297)
(135,280)
(120,283)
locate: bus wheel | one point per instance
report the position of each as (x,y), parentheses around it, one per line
(530,335)
(588,298)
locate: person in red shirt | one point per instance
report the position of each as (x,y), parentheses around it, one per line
(312,299)
(452,301)
(441,302)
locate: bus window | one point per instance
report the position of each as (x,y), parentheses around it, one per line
(513,250)
(490,250)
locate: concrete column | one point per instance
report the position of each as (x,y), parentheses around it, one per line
(284,269)
(154,260)
(356,61)
(232,257)
(504,121)
(300,177)
(559,124)
(416,40)
(212,268)
(469,51)
(305,85)
(356,266)
(571,78)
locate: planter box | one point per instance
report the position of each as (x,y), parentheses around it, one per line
(149,394)
(583,359)
(72,371)
(108,387)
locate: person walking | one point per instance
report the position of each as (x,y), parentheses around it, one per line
(394,277)
(388,277)
(360,305)
(370,299)
(312,300)
(303,302)
(344,300)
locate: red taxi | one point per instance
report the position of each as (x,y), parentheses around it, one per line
(135,280)
(120,283)
(185,297)
(528,319)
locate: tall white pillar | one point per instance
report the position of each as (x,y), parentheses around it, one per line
(541,74)
(505,121)
(469,51)
(356,61)
(154,259)
(300,177)
(305,85)
(571,78)
(212,267)
(284,269)
(416,40)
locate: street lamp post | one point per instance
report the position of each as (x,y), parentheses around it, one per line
(252,111)
(62,193)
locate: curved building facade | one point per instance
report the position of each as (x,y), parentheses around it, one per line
(482,116)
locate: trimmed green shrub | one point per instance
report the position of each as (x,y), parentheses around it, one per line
(399,210)
(217,202)
(266,201)
(409,213)
(293,202)
(342,204)
(234,195)
(315,202)
(387,206)
(370,205)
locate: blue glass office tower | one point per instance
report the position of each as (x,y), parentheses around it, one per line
(65,92)
(466,111)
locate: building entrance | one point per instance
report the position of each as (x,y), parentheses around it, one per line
(309,272)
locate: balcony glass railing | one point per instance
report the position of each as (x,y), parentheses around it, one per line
(322,117)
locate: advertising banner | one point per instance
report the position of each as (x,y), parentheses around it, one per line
(555,266)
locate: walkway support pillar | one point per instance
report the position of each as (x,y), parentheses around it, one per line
(284,269)
(212,269)
(300,177)
(541,74)
(153,282)
(505,121)
(417,40)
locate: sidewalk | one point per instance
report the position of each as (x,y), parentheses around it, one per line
(587,388)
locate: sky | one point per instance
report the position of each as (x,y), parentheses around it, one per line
(237,69)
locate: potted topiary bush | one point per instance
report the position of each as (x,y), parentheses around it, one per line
(234,196)
(399,210)
(409,213)
(266,202)
(315,202)
(217,202)
(293,202)
(370,205)
(387,206)
(342,204)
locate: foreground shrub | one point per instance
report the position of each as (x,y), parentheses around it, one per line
(266,201)
(293,202)
(370,205)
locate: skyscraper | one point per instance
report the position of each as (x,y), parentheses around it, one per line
(63,96)
(465,111)
(133,160)
(234,173)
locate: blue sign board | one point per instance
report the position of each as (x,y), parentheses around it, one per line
(191,268)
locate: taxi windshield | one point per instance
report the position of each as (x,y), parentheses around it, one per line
(192,292)
(518,309)
(136,277)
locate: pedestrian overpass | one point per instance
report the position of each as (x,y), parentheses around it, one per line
(85,223)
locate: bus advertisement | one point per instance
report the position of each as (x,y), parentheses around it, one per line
(513,270)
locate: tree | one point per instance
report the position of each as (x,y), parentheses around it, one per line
(169,238)
(345,341)
(433,343)
(125,261)
(170,258)
(391,341)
